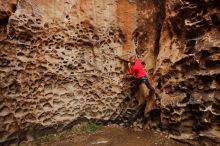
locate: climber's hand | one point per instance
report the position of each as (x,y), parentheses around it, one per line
(129,64)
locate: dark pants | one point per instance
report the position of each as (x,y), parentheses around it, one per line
(138,82)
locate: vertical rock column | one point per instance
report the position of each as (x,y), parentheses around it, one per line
(188,71)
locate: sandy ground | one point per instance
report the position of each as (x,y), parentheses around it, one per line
(117,136)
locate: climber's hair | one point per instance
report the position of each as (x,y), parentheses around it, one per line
(132,58)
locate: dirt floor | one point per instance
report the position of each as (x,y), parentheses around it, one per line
(116,136)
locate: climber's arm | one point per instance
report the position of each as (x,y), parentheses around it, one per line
(131,69)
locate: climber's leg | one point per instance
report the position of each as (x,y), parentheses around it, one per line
(135,88)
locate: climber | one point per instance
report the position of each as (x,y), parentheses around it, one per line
(141,76)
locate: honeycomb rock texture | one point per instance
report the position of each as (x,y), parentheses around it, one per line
(7,7)
(59,64)
(188,71)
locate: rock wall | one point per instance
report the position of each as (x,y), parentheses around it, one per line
(188,73)
(7,7)
(59,64)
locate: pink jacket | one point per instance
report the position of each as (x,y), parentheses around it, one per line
(137,69)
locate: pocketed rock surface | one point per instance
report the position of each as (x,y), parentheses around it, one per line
(188,73)
(59,64)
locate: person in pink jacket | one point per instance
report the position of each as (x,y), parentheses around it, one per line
(136,68)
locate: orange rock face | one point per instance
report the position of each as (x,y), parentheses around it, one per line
(127,16)
(59,64)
